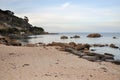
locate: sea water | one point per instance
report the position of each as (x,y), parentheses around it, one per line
(107,38)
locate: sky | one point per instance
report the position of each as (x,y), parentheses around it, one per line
(68,15)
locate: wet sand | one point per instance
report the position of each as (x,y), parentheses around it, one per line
(48,63)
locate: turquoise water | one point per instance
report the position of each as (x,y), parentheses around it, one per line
(106,39)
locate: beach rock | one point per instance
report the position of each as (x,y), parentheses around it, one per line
(82,46)
(8,41)
(4,40)
(116,62)
(72,44)
(108,54)
(114,46)
(64,37)
(73,51)
(94,35)
(76,36)
(90,58)
(58,44)
(15,43)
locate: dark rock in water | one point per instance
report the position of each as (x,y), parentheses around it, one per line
(94,35)
(114,46)
(4,40)
(90,58)
(99,45)
(64,37)
(76,36)
(93,50)
(109,54)
(114,37)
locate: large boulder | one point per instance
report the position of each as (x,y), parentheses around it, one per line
(72,44)
(64,37)
(94,35)
(58,44)
(82,46)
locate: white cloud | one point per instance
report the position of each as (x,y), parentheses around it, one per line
(65,5)
(74,18)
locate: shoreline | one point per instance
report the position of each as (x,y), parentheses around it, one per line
(48,63)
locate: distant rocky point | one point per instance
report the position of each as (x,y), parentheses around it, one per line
(11,25)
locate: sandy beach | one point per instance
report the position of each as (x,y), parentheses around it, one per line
(48,63)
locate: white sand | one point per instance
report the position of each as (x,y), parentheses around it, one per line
(39,63)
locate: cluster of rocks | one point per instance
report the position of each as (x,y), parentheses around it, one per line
(93,35)
(91,56)
(66,37)
(8,41)
(83,51)
(71,45)
(106,45)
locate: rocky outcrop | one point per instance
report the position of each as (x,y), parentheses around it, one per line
(63,37)
(95,57)
(58,44)
(83,51)
(11,24)
(94,35)
(76,36)
(8,41)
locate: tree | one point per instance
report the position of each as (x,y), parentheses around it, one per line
(26,18)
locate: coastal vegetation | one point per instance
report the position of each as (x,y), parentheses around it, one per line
(11,24)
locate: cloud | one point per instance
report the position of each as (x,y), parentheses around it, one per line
(65,5)
(71,18)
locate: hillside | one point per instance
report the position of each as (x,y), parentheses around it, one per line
(11,24)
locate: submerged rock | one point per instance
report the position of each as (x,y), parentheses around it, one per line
(94,35)
(76,36)
(114,37)
(99,45)
(64,37)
